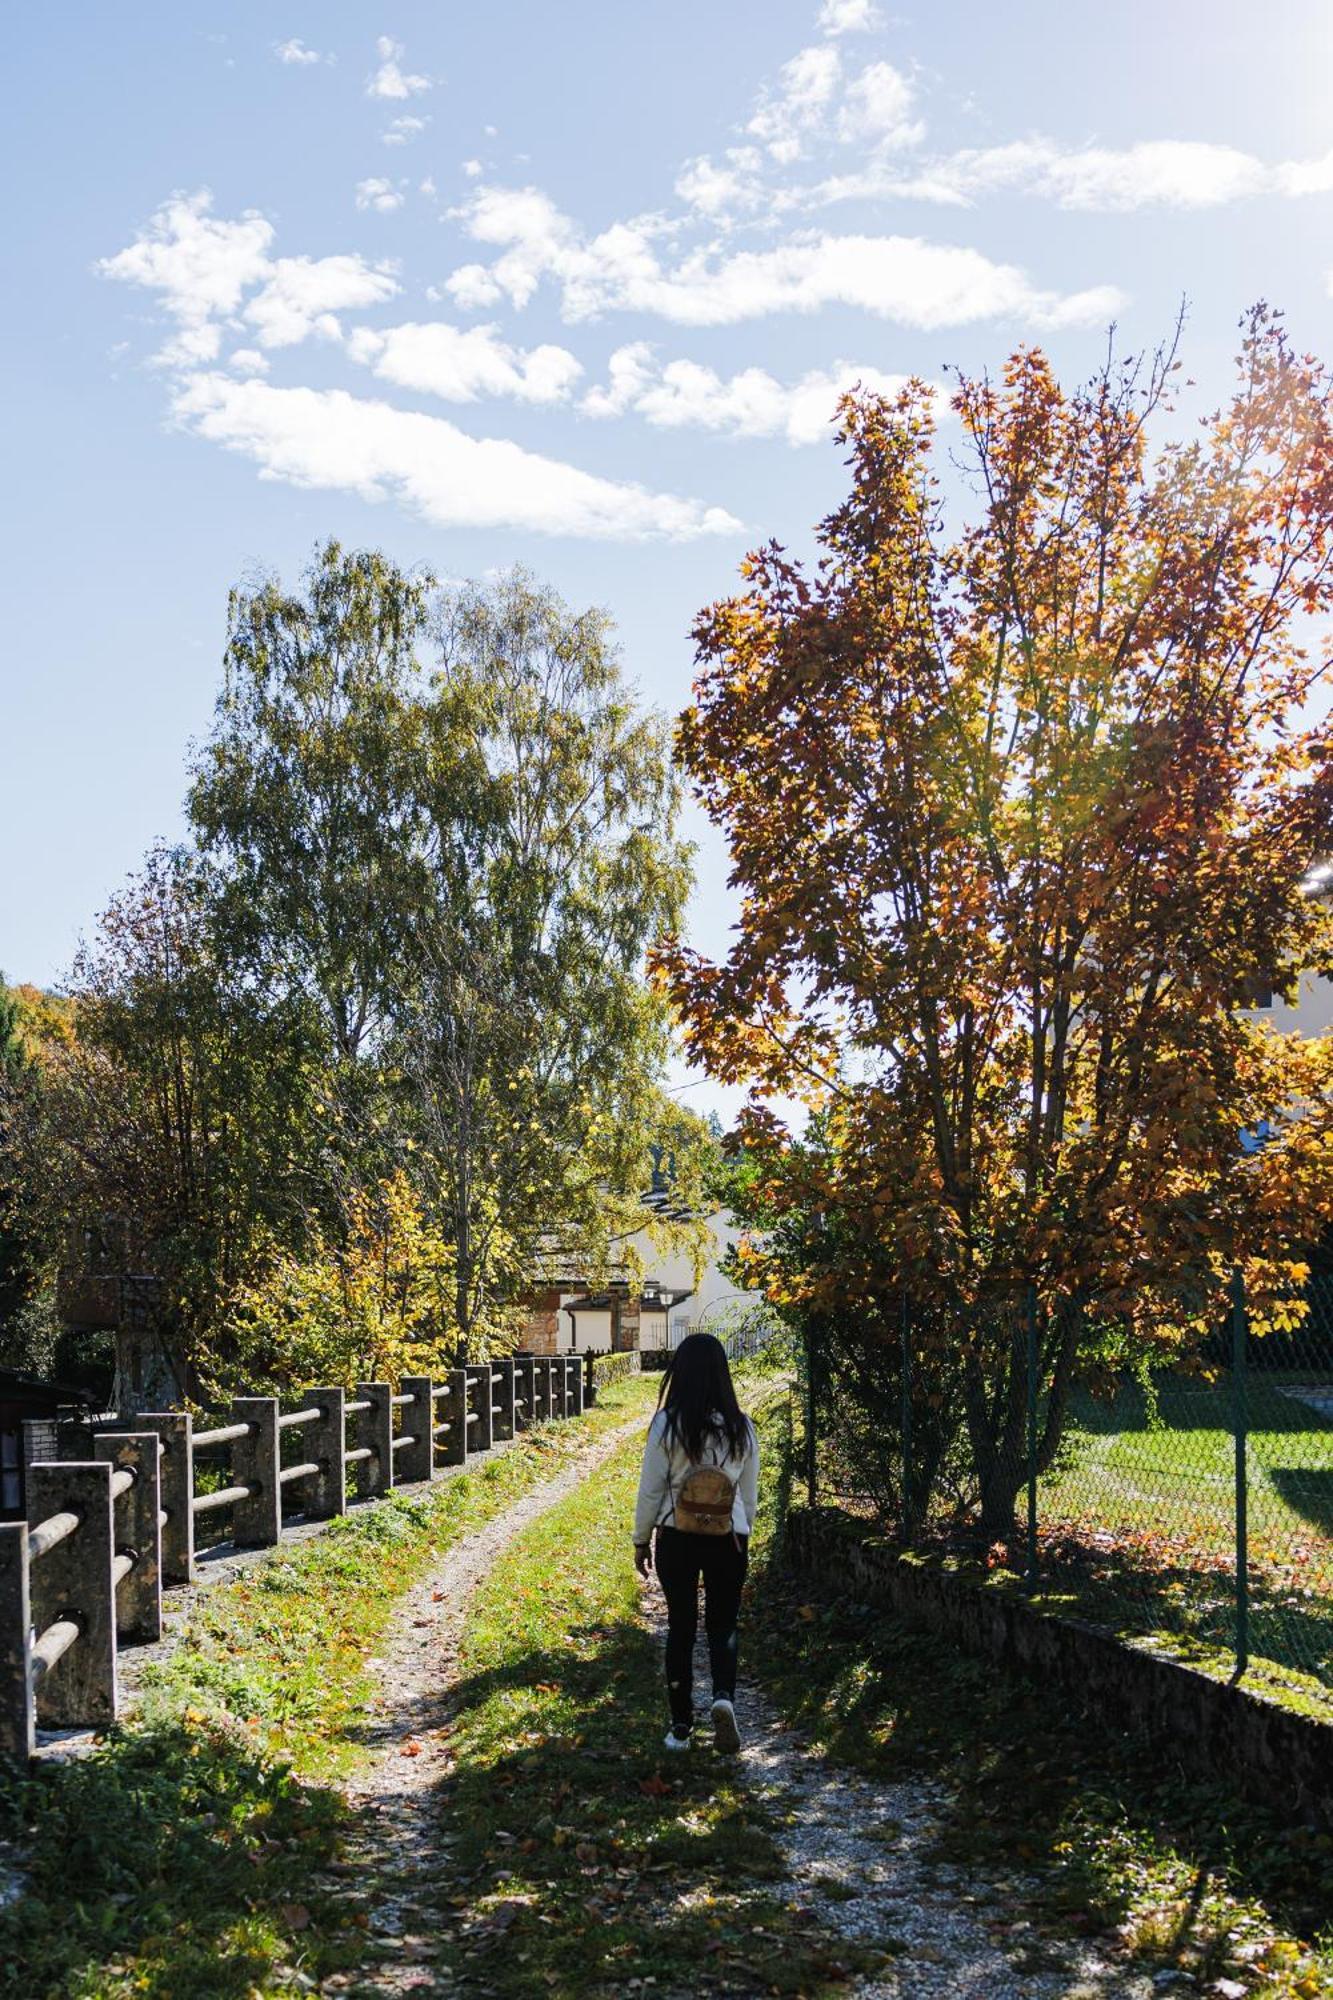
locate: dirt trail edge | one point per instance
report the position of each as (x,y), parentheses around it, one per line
(399,1842)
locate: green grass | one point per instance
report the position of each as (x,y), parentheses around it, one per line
(1089,1831)
(587,1858)
(184,1859)
(1139,1525)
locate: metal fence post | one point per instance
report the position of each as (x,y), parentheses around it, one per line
(74,1579)
(256,1521)
(326,1493)
(575,1386)
(479,1406)
(589,1383)
(18,1722)
(523,1416)
(416,1461)
(175,1429)
(905,1337)
(502,1400)
(373,1431)
(1240,1418)
(138,1531)
(1030,1573)
(453,1446)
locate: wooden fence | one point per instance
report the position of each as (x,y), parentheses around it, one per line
(85,1573)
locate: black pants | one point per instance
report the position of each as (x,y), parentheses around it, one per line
(681,1560)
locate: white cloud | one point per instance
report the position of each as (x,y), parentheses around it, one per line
(326,439)
(472,287)
(718,192)
(472,168)
(461,364)
(249,361)
(876,109)
(295,51)
(807,88)
(848,17)
(211,275)
(200,267)
(400,130)
(379,194)
(817,103)
(1161,173)
(752,403)
(902,278)
(1173,173)
(303,293)
(390,79)
(535,237)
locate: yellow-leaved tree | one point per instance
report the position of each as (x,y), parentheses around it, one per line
(376,1308)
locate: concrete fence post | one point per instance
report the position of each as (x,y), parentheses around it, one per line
(502,1400)
(479,1406)
(18,1722)
(138,1531)
(523,1392)
(326,1493)
(372,1430)
(73,1581)
(416,1461)
(256,1522)
(453,1439)
(175,1431)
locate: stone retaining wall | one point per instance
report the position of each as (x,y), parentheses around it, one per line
(1214,1728)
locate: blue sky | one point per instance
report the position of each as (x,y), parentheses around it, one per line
(573,286)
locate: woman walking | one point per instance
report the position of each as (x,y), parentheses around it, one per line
(699,1489)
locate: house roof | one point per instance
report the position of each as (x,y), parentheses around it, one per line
(660,1298)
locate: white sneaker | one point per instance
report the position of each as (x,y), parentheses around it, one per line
(726,1736)
(673,1742)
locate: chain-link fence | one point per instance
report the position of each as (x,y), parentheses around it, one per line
(1193,1506)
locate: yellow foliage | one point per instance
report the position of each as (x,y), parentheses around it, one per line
(379,1307)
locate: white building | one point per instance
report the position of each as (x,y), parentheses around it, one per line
(670,1302)
(1311,1012)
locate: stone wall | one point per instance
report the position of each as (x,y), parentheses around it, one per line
(541,1327)
(1275,1754)
(625,1326)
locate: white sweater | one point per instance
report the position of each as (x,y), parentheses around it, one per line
(665,1466)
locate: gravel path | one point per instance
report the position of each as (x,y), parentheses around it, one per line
(860,1853)
(396,1848)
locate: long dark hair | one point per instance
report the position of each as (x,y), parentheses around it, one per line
(699,1400)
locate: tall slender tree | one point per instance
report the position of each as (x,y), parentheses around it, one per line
(532,1045)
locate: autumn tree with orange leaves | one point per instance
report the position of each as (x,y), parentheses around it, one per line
(1020,814)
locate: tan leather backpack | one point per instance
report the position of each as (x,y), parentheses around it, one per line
(704,1501)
